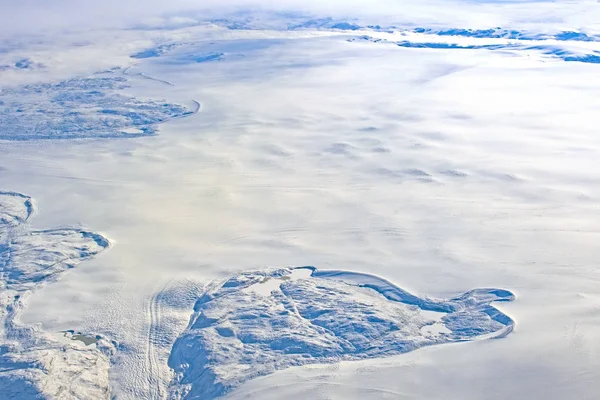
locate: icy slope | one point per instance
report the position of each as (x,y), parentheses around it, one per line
(32,363)
(259,322)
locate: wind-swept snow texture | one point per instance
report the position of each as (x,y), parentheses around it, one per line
(259,322)
(32,363)
(80,108)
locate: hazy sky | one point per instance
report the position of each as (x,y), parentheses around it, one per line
(40,16)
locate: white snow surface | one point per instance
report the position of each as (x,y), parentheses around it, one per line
(441,149)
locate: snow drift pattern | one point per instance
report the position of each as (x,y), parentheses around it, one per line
(259,322)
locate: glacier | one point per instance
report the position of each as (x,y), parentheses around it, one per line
(420,157)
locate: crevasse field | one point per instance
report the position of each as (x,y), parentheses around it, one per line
(300,200)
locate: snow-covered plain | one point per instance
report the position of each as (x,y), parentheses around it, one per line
(437,155)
